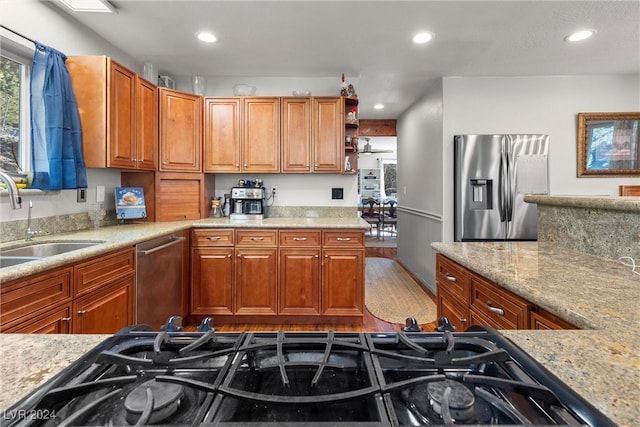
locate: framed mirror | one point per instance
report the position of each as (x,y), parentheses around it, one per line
(608,144)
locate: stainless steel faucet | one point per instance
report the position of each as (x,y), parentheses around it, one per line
(14,194)
(29,233)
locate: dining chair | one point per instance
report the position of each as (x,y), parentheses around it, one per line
(372,215)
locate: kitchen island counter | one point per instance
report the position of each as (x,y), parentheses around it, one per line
(601,361)
(126,235)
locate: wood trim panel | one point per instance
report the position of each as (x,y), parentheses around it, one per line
(629,190)
(375,127)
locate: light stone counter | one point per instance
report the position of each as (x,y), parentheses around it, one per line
(127,235)
(600,362)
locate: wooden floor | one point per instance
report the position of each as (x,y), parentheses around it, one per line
(370,323)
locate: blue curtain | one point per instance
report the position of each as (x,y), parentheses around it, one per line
(56,135)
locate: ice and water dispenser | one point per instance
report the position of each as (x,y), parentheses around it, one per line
(481,193)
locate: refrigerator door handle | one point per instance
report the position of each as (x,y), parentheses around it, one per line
(501,188)
(509,190)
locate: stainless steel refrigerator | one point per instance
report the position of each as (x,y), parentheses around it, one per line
(492,175)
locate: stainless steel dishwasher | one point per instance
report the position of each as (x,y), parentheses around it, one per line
(159,280)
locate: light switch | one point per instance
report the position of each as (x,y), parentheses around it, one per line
(100,193)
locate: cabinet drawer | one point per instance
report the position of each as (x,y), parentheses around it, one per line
(504,309)
(256,237)
(452,309)
(24,297)
(103,270)
(453,277)
(54,321)
(300,238)
(344,238)
(212,237)
(541,319)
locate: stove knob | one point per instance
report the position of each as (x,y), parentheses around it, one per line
(411,325)
(205,325)
(445,325)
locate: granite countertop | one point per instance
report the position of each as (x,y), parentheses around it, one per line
(126,235)
(601,361)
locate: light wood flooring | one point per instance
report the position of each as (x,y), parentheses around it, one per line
(370,323)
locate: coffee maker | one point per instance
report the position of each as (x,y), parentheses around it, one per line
(248,200)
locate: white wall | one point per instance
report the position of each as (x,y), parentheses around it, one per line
(420,187)
(459,105)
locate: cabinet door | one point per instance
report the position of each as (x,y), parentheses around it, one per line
(296,135)
(256,281)
(328,134)
(23,298)
(106,310)
(261,135)
(452,309)
(299,286)
(222,135)
(122,116)
(146,125)
(212,281)
(54,321)
(180,131)
(343,282)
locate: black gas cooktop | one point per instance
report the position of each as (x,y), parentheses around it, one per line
(209,378)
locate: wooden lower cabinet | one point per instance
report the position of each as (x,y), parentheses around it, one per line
(256,281)
(452,309)
(58,320)
(106,310)
(299,281)
(271,275)
(343,282)
(212,279)
(94,296)
(467,299)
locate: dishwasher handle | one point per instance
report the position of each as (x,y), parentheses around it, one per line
(160,247)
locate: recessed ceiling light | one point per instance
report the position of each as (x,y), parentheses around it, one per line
(89,5)
(422,38)
(206,37)
(580,35)
(378,106)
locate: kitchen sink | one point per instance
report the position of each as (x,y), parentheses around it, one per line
(8,261)
(45,249)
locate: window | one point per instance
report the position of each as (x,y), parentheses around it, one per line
(14,111)
(389,184)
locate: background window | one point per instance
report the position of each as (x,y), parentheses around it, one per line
(14,113)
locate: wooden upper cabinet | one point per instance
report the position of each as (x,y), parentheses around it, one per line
(312,135)
(122,117)
(118,114)
(261,134)
(296,135)
(222,135)
(146,125)
(180,131)
(328,134)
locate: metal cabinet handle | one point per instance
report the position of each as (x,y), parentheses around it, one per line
(214,238)
(256,238)
(498,311)
(300,239)
(451,278)
(82,311)
(463,320)
(343,239)
(66,319)
(229,255)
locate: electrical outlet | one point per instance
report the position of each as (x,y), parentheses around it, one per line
(82,195)
(337,193)
(274,191)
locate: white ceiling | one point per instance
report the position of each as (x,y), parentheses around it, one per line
(370,41)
